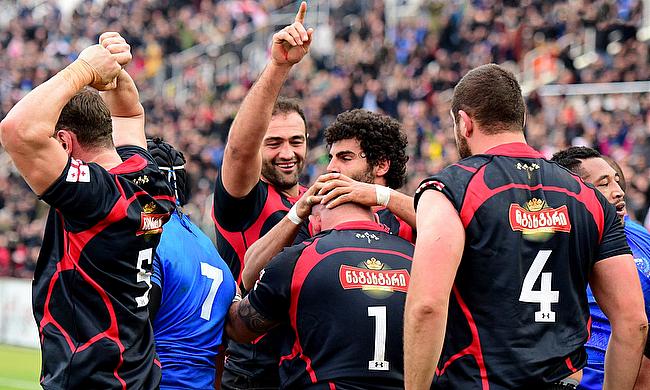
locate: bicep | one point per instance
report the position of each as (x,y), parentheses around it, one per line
(40,164)
(616,287)
(441,239)
(240,171)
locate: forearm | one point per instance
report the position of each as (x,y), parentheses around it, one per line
(124,100)
(262,251)
(623,357)
(421,358)
(402,206)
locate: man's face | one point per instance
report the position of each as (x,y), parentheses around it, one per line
(283,150)
(346,157)
(461,142)
(598,172)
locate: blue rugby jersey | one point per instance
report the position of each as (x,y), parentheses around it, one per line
(639,240)
(197,289)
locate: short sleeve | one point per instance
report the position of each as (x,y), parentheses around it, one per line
(157,275)
(613,242)
(233,214)
(271,296)
(84,190)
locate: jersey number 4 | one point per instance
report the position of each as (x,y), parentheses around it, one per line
(544,296)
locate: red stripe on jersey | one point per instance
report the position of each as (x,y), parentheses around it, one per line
(570,365)
(306,262)
(405,231)
(157,362)
(589,328)
(478,192)
(469,169)
(332,386)
(132,164)
(473,349)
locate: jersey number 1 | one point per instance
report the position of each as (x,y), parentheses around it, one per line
(544,296)
(378,363)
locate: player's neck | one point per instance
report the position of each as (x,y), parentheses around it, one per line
(106,158)
(292,192)
(345,213)
(487,142)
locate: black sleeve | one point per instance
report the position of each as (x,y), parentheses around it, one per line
(234,214)
(613,242)
(83,191)
(155,296)
(271,296)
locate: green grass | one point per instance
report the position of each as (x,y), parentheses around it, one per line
(19,368)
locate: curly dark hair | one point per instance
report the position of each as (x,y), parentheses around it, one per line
(381,139)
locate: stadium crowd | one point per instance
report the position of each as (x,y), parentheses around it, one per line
(405,72)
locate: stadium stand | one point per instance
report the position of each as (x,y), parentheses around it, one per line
(194,61)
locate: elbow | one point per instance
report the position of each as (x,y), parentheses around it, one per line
(9,134)
(426,310)
(631,325)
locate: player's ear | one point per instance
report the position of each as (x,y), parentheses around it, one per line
(65,139)
(466,124)
(382,168)
(314,221)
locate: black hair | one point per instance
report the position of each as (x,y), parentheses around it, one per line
(572,157)
(172,163)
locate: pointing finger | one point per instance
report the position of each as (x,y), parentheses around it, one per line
(300,16)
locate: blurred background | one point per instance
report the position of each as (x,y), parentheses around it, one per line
(583,65)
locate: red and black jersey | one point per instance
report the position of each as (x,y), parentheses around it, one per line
(518,313)
(91,282)
(239,223)
(343,294)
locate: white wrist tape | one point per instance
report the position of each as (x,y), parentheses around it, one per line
(293,216)
(383,195)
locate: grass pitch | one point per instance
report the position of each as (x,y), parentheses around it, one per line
(19,368)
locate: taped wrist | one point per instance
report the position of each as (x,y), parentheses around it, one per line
(383,195)
(79,74)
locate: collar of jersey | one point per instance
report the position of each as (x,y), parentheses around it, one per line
(514,149)
(359,225)
(132,164)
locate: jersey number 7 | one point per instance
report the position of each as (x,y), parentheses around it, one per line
(544,296)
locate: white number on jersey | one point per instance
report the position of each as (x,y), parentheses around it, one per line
(145,256)
(216,274)
(378,363)
(544,296)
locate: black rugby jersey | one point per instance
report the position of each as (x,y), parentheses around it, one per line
(239,223)
(91,283)
(518,314)
(343,294)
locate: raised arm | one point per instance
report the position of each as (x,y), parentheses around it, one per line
(27,132)
(124,101)
(281,235)
(439,247)
(242,162)
(344,189)
(616,286)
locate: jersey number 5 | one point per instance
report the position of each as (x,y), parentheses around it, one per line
(544,296)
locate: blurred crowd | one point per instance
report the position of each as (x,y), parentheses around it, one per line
(405,70)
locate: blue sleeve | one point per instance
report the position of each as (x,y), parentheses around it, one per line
(157,276)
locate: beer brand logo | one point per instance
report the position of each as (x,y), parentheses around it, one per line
(151,223)
(374,277)
(537,217)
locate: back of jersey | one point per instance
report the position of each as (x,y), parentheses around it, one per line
(197,289)
(518,313)
(347,305)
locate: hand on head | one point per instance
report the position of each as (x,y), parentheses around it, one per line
(292,43)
